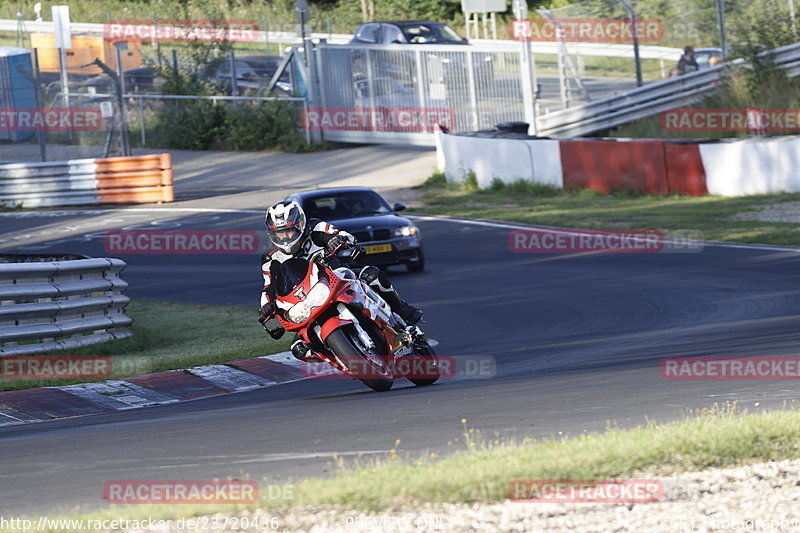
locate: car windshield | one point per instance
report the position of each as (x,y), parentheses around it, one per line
(346,205)
(430,33)
(267,68)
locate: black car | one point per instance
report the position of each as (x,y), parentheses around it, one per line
(253,73)
(388,238)
(400,66)
(137,81)
(405,32)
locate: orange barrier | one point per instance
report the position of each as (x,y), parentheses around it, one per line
(685,171)
(605,165)
(135,179)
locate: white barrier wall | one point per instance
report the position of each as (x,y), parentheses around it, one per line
(752,166)
(508,160)
(736,167)
(546,161)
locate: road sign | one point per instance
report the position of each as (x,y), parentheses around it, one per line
(520,9)
(106,110)
(301,11)
(61,27)
(483,6)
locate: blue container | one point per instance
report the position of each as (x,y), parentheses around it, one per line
(16,91)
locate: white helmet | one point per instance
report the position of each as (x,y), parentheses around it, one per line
(286,225)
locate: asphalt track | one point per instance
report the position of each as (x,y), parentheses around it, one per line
(577,340)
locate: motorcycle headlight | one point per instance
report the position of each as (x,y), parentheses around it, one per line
(317,296)
(405,231)
(299,313)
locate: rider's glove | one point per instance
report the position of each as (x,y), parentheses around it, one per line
(336,241)
(267,311)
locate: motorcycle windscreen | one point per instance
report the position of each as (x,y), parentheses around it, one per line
(291,274)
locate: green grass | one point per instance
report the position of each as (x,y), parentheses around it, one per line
(533,203)
(171,336)
(718,436)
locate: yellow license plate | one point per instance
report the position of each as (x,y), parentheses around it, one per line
(378,248)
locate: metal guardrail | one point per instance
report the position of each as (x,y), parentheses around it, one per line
(65,304)
(654,97)
(131,179)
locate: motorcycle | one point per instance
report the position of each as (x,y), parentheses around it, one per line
(348,325)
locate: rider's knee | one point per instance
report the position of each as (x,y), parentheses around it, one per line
(369,274)
(374,276)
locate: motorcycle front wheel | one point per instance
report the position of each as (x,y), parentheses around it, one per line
(370,369)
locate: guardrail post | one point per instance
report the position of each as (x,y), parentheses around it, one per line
(123,120)
(473,97)
(528,87)
(234,81)
(311,80)
(141,121)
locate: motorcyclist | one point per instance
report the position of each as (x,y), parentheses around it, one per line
(294,236)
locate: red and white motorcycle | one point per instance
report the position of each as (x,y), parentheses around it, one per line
(347,324)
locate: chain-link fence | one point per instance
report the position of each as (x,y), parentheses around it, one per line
(103,98)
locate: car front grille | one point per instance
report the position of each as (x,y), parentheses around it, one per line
(362,236)
(375,235)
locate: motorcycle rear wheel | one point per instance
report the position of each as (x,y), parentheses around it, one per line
(426,353)
(348,351)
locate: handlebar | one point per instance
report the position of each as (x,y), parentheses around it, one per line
(276,333)
(357,250)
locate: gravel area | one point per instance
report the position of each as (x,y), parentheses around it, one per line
(758,497)
(780,212)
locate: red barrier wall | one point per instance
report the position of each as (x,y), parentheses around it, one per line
(606,165)
(685,171)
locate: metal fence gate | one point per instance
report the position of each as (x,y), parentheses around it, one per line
(399,93)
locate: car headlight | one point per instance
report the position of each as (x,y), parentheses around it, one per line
(317,296)
(405,231)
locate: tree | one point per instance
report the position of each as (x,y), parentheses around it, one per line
(368,10)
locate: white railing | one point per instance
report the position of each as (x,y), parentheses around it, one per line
(61,304)
(654,97)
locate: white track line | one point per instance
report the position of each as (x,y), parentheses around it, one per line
(503,225)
